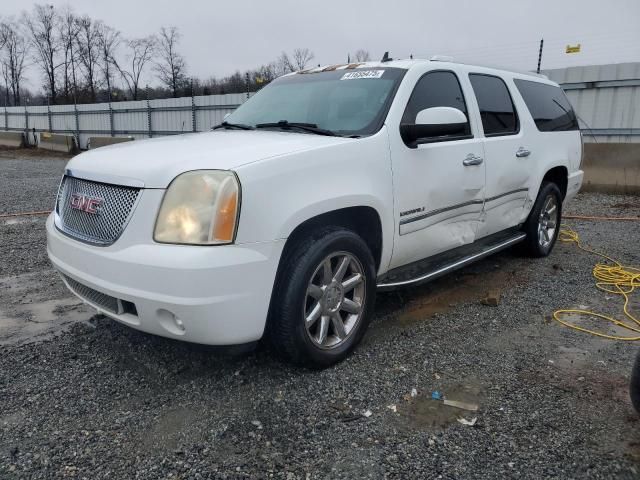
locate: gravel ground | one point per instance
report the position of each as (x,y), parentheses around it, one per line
(600,204)
(29,185)
(84,397)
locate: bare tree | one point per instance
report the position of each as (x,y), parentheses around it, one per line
(42,27)
(361,55)
(301,56)
(13,51)
(171,66)
(3,33)
(89,51)
(3,70)
(283,65)
(108,42)
(69,29)
(141,51)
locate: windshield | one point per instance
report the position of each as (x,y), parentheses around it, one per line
(345,102)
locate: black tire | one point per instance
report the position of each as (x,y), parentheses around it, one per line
(286,328)
(634,384)
(533,246)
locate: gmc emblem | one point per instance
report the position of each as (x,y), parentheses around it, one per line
(86,203)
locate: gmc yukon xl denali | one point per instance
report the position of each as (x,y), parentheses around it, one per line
(327,185)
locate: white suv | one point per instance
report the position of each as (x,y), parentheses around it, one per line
(328,184)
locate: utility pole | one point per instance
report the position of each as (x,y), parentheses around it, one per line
(540,55)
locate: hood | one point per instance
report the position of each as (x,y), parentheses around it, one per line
(157,161)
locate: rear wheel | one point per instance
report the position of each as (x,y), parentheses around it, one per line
(323,298)
(543,225)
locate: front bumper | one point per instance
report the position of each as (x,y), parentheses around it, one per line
(215,295)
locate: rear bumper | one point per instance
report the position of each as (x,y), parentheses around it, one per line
(219,295)
(574,182)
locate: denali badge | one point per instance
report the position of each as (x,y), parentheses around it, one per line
(86,203)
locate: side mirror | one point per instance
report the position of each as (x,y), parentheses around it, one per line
(433,125)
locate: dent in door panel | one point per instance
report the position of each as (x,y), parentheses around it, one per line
(464,212)
(440,237)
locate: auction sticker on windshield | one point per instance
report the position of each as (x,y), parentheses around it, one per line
(362,74)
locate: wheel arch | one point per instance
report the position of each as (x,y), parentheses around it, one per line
(362,219)
(558,175)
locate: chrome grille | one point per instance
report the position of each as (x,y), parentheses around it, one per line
(93,296)
(107,225)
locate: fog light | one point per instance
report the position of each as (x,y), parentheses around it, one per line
(171,322)
(179,323)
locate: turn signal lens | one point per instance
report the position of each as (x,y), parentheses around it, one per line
(199,208)
(225,222)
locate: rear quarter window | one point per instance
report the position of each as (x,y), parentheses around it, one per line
(549,106)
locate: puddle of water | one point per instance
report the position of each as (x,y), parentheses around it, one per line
(568,357)
(39,321)
(441,296)
(19,284)
(35,306)
(600,325)
(17,220)
(424,413)
(172,428)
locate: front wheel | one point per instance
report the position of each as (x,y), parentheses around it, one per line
(323,298)
(543,225)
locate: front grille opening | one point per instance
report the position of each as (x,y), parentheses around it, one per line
(105,225)
(102,300)
(129,307)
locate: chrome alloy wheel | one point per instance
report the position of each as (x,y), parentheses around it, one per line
(335,299)
(548,221)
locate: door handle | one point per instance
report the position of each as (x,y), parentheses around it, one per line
(472,160)
(523,152)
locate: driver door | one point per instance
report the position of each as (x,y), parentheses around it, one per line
(438,185)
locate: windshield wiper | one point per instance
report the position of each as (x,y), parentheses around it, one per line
(307,127)
(239,126)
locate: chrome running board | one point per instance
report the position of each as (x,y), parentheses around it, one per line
(449,261)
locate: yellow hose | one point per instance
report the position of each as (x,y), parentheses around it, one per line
(616,279)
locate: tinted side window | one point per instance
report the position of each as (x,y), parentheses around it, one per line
(436,89)
(548,105)
(496,107)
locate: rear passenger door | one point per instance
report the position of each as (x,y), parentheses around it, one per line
(505,149)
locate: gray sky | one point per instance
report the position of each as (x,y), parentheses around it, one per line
(221,37)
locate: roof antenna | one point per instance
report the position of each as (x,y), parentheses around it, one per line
(386,58)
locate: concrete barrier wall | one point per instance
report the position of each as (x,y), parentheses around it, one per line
(57,142)
(95,142)
(612,167)
(11,139)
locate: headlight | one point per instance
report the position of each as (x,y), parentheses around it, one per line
(199,208)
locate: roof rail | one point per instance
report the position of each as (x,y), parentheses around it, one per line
(441,58)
